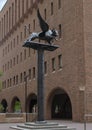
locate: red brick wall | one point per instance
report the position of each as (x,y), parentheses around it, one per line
(75,47)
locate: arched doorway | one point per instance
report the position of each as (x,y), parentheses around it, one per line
(32,103)
(61,107)
(5,105)
(16,105)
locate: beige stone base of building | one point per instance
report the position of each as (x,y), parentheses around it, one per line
(17,117)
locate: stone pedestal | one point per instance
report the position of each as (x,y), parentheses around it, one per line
(41,126)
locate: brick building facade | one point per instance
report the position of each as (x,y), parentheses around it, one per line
(68,76)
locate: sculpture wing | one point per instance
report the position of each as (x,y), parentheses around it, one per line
(44,26)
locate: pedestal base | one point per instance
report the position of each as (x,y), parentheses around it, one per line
(41,126)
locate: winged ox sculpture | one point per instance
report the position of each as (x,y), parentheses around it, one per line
(48,35)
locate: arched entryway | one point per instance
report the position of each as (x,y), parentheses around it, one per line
(61,107)
(32,103)
(16,105)
(5,105)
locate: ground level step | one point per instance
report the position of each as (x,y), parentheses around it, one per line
(41,126)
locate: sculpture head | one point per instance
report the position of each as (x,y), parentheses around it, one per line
(54,33)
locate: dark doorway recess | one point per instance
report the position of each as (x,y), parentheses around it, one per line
(5,105)
(32,103)
(61,107)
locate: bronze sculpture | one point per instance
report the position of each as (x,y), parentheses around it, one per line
(47,34)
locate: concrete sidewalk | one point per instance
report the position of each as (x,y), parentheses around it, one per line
(78,126)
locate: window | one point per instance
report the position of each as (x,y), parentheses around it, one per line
(29,73)
(18,8)
(12,14)
(17,59)
(24,75)
(24,54)
(34,24)
(2,27)
(33,72)
(7,21)
(22,7)
(21,36)
(4,24)
(45,67)
(59,61)
(16,79)
(21,77)
(15,10)
(17,39)
(25,29)
(8,64)
(20,56)
(9,18)
(10,82)
(59,4)
(60,31)
(26,4)
(14,42)
(45,14)
(51,8)
(53,64)
(29,28)
(11,63)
